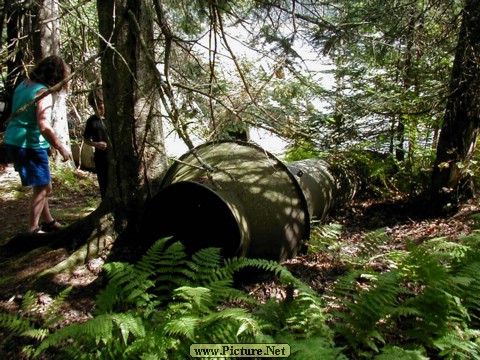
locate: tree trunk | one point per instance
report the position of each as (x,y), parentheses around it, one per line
(136,150)
(19,28)
(460,128)
(137,157)
(46,41)
(46,38)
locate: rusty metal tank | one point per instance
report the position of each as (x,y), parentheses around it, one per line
(233,195)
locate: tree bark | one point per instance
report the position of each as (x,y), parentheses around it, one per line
(46,38)
(459,132)
(19,52)
(137,157)
(46,41)
(136,149)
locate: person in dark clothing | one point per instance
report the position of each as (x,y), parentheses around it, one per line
(95,135)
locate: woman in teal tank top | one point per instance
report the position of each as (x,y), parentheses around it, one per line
(29,134)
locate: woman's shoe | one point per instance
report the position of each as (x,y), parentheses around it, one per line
(53,225)
(37,231)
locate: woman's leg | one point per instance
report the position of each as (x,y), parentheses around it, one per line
(39,209)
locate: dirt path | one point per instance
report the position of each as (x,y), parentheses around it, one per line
(73,197)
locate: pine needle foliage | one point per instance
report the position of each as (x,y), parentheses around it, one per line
(429,294)
(158,307)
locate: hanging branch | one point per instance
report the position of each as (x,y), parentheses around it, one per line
(174,113)
(244,80)
(166,85)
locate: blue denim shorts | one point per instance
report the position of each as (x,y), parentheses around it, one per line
(31,164)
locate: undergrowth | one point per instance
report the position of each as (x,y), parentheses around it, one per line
(420,302)
(157,308)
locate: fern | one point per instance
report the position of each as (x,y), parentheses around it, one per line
(15,324)
(370,244)
(366,309)
(204,264)
(312,348)
(127,285)
(324,237)
(28,325)
(459,344)
(429,293)
(395,353)
(157,308)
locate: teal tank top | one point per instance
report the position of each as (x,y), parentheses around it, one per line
(22,130)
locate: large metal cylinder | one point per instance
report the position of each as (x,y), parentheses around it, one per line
(318,186)
(324,187)
(235,196)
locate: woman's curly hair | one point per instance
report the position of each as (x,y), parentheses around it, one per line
(50,71)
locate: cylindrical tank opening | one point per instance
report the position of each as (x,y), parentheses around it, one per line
(196,216)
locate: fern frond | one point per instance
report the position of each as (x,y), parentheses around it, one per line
(29,301)
(99,329)
(371,243)
(324,236)
(459,344)
(129,324)
(366,307)
(14,323)
(406,311)
(245,323)
(424,267)
(106,300)
(204,263)
(37,334)
(395,353)
(60,335)
(126,283)
(52,315)
(447,251)
(234,265)
(306,316)
(148,262)
(224,332)
(155,345)
(199,297)
(185,326)
(312,348)
(171,270)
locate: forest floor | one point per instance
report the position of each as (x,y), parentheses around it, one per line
(74,198)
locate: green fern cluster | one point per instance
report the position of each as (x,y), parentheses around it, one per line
(27,323)
(430,295)
(157,308)
(425,303)
(324,237)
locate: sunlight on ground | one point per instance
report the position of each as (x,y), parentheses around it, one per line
(74,197)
